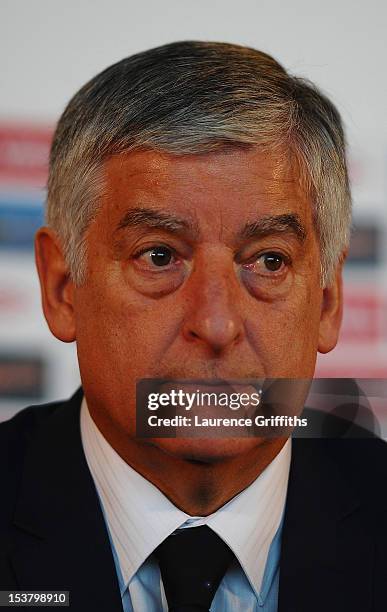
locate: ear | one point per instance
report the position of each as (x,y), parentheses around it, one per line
(331,311)
(57,289)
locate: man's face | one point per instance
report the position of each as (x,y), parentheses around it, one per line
(199,266)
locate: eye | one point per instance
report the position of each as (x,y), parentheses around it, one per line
(158,256)
(272,261)
(157,269)
(267,264)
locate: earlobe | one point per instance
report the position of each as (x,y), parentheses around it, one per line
(57,289)
(331,312)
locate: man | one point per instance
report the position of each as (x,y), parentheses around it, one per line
(198,218)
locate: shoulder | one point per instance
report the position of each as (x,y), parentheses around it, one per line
(16,435)
(364,462)
(358,464)
(16,432)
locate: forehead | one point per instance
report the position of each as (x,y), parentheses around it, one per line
(237,182)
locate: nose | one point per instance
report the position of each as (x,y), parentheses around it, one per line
(213,318)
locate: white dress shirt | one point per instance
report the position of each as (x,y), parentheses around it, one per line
(139,517)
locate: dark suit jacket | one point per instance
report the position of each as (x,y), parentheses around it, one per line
(53,535)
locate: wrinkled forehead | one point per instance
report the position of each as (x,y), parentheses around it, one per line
(233,185)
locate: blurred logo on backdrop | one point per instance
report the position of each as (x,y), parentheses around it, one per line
(19,220)
(24,152)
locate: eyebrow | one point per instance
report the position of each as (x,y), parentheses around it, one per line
(156,219)
(278,224)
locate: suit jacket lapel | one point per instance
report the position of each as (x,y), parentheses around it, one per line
(60,540)
(326,556)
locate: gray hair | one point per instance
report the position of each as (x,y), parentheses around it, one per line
(196,97)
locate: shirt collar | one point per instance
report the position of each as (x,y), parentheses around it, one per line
(140,516)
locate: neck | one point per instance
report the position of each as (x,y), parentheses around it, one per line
(193,482)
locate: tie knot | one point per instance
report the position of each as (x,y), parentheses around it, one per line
(192,563)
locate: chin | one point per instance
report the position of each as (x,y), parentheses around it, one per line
(206,450)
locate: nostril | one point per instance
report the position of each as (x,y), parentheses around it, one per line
(193,334)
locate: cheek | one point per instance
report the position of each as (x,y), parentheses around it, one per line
(115,327)
(285,332)
(119,341)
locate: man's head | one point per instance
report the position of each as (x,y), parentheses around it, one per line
(198,213)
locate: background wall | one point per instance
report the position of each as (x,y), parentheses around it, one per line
(48,49)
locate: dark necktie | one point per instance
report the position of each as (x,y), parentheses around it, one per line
(192,563)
